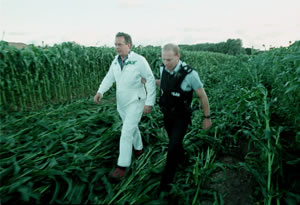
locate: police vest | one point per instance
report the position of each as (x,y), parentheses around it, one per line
(173,100)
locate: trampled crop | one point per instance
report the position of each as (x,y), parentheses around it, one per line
(57,146)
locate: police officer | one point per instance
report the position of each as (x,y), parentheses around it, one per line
(177,83)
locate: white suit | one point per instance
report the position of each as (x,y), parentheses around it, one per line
(131,99)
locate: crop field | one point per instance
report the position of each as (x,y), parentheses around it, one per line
(58,146)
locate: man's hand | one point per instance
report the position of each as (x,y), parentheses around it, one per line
(147,109)
(97,98)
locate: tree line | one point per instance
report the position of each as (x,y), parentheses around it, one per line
(230,47)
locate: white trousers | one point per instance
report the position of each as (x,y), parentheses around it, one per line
(130,134)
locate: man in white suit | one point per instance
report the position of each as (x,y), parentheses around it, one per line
(127,70)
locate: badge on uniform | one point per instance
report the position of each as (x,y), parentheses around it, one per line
(176,94)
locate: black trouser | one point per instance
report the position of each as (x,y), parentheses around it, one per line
(176,126)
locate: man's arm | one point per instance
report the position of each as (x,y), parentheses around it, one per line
(147,74)
(157,82)
(205,106)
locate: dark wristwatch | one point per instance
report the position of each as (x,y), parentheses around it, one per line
(207,117)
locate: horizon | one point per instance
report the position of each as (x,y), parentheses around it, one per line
(21,45)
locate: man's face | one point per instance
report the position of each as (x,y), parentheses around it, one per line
(121,47)
(170,60)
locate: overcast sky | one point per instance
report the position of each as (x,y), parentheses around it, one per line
(151,22)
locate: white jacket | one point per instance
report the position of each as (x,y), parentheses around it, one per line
(128,81)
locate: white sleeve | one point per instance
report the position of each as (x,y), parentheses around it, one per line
(146,73)
(107,81)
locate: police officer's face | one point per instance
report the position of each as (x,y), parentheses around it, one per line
(121,47)
(170,60)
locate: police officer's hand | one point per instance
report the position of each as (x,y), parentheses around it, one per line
(147,109)
(143,80)
(207,123)
(97,98)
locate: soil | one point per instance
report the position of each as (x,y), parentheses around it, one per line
(235,186)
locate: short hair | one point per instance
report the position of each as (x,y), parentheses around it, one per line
(171,47)
(126,36)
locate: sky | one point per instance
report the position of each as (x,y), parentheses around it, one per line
(260,24)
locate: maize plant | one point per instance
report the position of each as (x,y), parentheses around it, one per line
(58,146)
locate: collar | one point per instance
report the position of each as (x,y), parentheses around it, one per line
(176,69)
(120,58)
